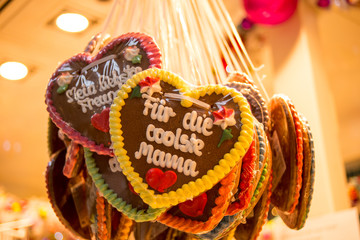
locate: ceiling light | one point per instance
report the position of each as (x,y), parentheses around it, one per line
(13,70)
(72,22)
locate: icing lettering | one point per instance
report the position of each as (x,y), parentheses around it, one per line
(195,123)
(106,82)
(162,159)
(114,165)
(159,111)
(98,101)
(177,140)
(84,95)
(80,93)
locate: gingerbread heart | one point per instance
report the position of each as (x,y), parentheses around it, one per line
(83,86)
(111,182)
(61,198)
(200,134)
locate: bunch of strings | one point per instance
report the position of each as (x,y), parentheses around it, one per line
(197,38)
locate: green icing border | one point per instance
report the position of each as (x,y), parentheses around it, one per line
(117,202)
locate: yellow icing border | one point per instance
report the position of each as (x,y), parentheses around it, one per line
(213,176)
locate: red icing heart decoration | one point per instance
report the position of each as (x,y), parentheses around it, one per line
(195,207)
(84,85)
(159,180)
(101,121)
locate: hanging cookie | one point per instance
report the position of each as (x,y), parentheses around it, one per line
(65,197)
(287,146)
(196,135)
(297,218)
(83,87)
(116,189)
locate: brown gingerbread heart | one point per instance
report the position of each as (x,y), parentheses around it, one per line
(157,121)
(83,86)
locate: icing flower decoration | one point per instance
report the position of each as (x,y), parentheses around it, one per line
(63,81)
(131,52)
(224,117)
(64,78)
(150,85)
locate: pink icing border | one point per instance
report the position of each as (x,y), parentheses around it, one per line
(153,53)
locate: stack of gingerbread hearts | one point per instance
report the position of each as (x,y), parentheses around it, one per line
(293,148)
(180,148)
(137,150)
(78,98)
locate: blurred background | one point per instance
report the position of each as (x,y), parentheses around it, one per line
(313,56)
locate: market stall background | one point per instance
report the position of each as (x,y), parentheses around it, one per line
(331,56)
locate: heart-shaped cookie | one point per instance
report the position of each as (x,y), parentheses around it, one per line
(61,198)
(84,86)
(286,132)
(297,219)
(157,121)
(113,185)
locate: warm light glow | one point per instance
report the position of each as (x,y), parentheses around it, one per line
(13,70)
(72,22)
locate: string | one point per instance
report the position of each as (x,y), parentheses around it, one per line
(105,28)
(195,37)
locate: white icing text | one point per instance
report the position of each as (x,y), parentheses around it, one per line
(84,96)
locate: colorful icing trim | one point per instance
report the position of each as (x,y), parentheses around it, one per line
(246,184)
(297,218)
(199,185)
(299,151)
(312,171)
(264,178)
(101,230)
(118,203)
(242,83)
(124,228)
